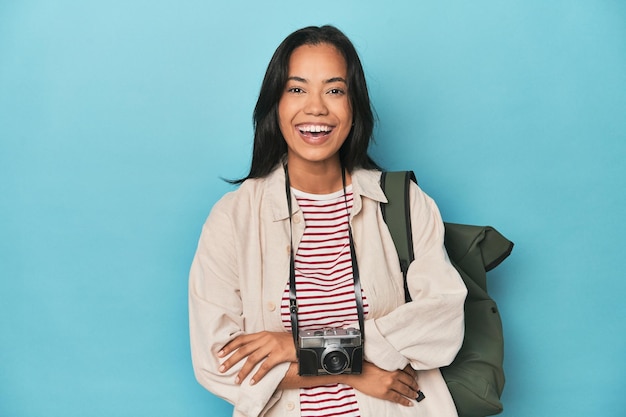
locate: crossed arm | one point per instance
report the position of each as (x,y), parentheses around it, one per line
(435,318)
(268,349)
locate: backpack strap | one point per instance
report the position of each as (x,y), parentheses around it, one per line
(397,214)
(476,376)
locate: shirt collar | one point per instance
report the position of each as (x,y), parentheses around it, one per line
(365,184)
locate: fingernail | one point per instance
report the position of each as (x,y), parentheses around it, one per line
(252,382)
(222,368)
(220,353)
(237,380)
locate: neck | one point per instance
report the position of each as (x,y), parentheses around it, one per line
(321,179)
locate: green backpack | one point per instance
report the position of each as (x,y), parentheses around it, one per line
(476,377)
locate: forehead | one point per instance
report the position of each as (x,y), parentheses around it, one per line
(322,61)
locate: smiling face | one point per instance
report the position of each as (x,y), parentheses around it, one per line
(314,111)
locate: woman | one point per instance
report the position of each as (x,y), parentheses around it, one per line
(309,211)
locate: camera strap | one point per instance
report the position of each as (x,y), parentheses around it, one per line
(293,302)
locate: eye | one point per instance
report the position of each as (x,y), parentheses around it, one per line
(295,90)
(336,91)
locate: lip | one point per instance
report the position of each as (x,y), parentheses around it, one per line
(314,133)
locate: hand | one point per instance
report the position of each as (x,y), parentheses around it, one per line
(398,386)
(271,348)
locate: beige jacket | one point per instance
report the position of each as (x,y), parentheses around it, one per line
(241,268)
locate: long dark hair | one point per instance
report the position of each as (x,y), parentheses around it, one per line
(269,144)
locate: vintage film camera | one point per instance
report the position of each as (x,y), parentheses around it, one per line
(330,351)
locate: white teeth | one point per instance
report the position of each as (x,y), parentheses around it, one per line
(315,128)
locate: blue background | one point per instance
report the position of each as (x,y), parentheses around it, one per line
(118,118)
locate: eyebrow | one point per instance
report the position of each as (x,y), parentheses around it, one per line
(328,81)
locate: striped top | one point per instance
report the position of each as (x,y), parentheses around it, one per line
(325,290)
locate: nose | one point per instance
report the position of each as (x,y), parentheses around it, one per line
(315,105)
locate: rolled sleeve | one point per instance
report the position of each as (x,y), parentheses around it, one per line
(386,355)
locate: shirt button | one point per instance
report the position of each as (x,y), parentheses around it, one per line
(271,306)
(288,249)
(290,406)
(296,219)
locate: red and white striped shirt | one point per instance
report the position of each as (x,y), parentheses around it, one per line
(325,289)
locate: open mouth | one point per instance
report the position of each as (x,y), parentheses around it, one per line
(314,131)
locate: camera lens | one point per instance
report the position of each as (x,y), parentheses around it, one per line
(335,361)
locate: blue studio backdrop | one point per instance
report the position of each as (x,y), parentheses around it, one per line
(118,118)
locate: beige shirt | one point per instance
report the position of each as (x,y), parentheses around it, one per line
(241,268)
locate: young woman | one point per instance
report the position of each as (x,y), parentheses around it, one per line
(309,212)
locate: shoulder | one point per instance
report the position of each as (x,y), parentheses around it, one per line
(254,195)
(250,190)
(421,200)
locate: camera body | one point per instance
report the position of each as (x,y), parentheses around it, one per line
(330,351)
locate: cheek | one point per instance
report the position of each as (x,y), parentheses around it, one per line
(281,118)
(348,111)
(280,111)
(349,117)
(284,113)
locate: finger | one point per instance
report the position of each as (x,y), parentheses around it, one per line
(406,385)
(412,377)
(255,349)
(233,345)
(275,356)
(238,355)
(407,378)
(410,371)
(398,388)
(264,368)
(269,361)
(405,390)
(249,365)
(400,399)
(408,392)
